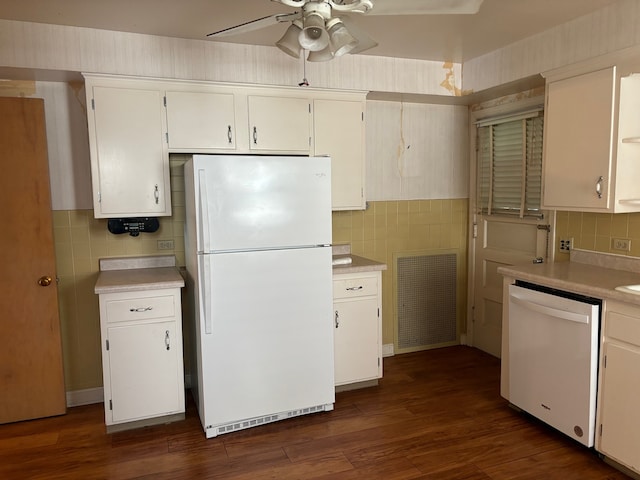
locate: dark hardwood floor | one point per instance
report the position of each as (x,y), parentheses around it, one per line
(435,415)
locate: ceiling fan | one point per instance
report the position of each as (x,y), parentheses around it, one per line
(324,27)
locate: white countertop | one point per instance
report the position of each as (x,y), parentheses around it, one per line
(588,273)
(358,264)
(130,274)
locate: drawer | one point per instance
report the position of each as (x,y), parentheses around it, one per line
(142,308)
(355,287)
(623,328)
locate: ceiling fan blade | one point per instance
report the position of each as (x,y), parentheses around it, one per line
(257,24)
(365,42)
(425,7)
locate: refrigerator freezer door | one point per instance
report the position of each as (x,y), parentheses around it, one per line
(255,203)
(271,344)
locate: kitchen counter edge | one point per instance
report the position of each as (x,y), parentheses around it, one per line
(138,279)
(592,280)
(358,265)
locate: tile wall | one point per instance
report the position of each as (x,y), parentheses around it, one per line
(383,230)
(80,242)
(391,228)
(595,231)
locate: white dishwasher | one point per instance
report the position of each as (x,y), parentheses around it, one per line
(553,357)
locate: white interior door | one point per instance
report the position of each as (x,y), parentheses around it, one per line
(499,241)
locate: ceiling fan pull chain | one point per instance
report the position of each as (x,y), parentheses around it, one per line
(304,82)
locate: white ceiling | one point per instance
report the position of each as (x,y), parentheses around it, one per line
(429,37)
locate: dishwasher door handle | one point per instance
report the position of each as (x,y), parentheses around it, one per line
(546,310)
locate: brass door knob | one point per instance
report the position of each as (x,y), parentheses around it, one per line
(44,281)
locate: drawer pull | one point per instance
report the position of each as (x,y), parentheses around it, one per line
(141,309)
(355,288)
(167,341)
(337,319)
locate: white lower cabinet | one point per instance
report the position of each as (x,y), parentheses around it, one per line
(142,357)
(357,327)
(619,393)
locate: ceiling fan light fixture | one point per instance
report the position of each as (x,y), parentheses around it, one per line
(289,43)
(314,36)
(323,55)
(340,38)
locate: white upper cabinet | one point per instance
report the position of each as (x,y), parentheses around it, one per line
(129,154)
(134,123)
(338,131)
(201,120)
(279,124)
(590,155)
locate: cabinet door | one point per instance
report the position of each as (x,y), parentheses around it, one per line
(279,124)
(201,120)
(130,158)
(356,340)
(338,131)
(619,413)
(577,141)
(144,370)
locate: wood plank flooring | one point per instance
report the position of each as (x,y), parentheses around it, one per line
(435,415)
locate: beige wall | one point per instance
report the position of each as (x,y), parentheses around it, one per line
(607,30)
(80,242)
(412,220)
(385,229)
(38,46)
(594,231)
(390,228)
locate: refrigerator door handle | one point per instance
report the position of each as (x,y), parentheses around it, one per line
(205,239)
(205,295)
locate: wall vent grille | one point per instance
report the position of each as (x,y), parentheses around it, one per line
(426,300)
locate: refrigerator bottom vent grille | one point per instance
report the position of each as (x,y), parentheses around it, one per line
(254,422)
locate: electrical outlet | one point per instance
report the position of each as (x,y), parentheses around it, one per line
(622,244)
(165,245)
(566,244)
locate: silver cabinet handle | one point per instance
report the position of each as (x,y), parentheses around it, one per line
(337,319)
(156,194)
(355,288)
(255,135)
(167,342)
(141,309)
(599,186)
(229,136)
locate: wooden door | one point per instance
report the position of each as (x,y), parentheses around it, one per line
(501,241)
(31,371)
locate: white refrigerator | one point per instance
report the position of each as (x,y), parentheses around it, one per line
(258,255)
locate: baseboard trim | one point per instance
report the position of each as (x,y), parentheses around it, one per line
(387,350)
(88,396)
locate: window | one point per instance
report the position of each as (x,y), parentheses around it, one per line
(510,165)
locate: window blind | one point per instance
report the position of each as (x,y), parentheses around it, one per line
(510,166)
